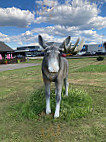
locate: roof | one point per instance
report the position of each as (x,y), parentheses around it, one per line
(28,48)
(21,51)
(4,47)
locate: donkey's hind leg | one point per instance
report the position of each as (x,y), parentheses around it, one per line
(66,84)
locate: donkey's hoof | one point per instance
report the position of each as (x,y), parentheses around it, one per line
(56,115)
(66,95)
(48,111)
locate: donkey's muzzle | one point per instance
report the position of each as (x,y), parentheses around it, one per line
(53,68)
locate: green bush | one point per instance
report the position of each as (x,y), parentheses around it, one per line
(100,58)
(5,61)
(78,104)
(18,61)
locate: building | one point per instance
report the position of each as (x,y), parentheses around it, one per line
(5,51)
(28,51)
(94,48)
(31,51)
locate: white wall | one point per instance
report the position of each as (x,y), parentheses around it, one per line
(96,48)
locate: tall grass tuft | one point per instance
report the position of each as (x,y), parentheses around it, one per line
(77,105)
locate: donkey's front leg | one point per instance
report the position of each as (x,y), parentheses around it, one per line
(58,98)
(47,92)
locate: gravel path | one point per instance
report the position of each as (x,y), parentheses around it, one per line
(16,66)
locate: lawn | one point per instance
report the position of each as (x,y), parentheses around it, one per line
(17,86)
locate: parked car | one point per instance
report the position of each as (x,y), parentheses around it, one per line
(41,54)
(87,54)
(93,53)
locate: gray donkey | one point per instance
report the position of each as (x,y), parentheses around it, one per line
(54,69)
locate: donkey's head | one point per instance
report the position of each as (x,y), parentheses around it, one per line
(52,54)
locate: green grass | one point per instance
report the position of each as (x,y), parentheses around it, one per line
(17,86)
(93,68)
(34,61)
(77,105)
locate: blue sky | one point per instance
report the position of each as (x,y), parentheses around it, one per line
(22,20)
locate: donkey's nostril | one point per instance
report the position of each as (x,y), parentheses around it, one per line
(53,69)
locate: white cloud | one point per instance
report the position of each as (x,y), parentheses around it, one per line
(97,1)
(57,30)
(53,33)
(50,3)
(58,33)
(24,38)
(79,13)
(98,22)
(75,18)
(15,17)
(4,38)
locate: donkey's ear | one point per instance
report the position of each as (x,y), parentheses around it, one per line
(41,42)
(65,42)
